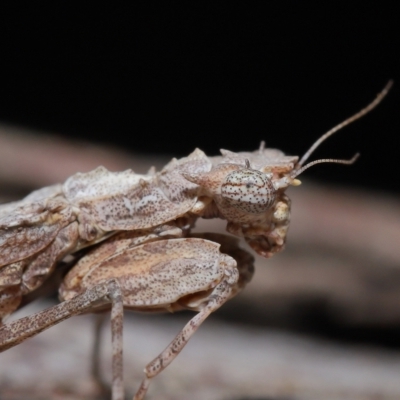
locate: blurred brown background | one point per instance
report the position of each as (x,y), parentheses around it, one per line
(132,86)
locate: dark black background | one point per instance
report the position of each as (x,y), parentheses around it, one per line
(168,77)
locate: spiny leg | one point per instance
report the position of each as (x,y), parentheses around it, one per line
(105,293)
(220,295)
(117,322)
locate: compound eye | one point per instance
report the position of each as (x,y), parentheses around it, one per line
(249,190)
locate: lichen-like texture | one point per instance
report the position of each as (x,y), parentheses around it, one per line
(118,211)
(127,201)
(157,273)
(142,253)
(30,228)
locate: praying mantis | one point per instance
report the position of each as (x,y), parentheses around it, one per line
(131,241)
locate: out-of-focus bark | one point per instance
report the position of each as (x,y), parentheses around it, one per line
(30,160)
(341,264)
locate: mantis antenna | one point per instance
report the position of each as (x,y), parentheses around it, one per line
(299,166)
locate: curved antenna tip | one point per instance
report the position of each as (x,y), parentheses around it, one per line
(346,122)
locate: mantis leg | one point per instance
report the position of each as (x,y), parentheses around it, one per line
(102,294)
(219,296)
